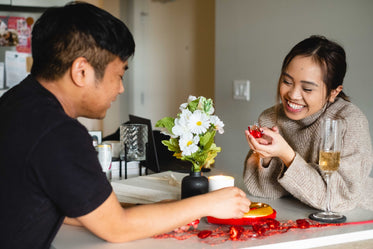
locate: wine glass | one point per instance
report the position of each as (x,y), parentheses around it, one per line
(329,158)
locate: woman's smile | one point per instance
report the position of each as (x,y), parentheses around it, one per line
(293,107)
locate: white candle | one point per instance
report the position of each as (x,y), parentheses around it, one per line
(220,181)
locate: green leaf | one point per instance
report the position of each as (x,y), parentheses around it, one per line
(207,105)
(167,122)
(192,106)
(207,139)
(196,165)
(172,144)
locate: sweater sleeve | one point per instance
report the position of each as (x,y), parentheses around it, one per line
(307,183)
(261,180)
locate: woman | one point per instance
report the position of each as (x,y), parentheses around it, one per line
(285,160)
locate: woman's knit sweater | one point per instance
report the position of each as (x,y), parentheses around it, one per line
(351,185)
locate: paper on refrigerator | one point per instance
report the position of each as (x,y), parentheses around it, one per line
(17,67)
(2,85)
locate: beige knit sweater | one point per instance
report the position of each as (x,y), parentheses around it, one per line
(351,185)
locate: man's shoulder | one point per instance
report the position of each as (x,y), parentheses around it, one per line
(30,112)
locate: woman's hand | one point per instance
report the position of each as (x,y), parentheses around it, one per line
(271,144)
(225,203)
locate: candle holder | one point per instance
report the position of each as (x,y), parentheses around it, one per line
(220,181)
(134,143)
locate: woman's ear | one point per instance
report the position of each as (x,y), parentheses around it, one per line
(79,70)
(334,93)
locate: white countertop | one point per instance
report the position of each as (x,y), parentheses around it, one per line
(2,91)
(161,186)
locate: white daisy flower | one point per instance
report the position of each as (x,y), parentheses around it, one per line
(181,124)
(215,120)
(191,98)
(183,106)
(198,122)
(185,114)
(180,127)
(188,144)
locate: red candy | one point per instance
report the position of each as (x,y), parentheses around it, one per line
(303,224)
(255,131)
(235,232)
(204,234)
(259,229)
(273,224)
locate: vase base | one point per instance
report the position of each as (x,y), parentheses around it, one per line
(194,184)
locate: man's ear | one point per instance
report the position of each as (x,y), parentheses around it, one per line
(79,70)
(334,93)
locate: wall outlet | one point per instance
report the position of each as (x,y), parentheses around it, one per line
(241,90)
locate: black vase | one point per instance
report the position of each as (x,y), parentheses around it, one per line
(194,184)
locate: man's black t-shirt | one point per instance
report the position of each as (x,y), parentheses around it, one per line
(48,167)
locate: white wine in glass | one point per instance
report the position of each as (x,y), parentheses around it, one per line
(329,159)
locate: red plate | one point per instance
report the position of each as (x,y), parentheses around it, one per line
(258,212)
(240,222)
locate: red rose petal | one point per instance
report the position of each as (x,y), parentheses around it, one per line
(235,232)
(204,234)
(303,224)
(273,224)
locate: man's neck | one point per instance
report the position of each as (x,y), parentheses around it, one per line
(64,93)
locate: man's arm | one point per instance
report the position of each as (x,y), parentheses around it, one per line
(72,222)
(113,223)
(76,222)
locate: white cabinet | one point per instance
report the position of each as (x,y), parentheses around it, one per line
(35,3)
(7,2)
(2,91)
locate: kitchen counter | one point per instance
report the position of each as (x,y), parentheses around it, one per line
(166,185)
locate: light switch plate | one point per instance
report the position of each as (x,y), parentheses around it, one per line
(241,90)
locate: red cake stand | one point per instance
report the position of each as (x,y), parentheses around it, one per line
(258,212)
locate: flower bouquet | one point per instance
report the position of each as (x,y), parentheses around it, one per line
(192,132)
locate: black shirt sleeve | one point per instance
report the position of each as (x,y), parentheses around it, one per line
(66,168)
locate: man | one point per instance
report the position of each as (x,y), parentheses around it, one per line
(48,167)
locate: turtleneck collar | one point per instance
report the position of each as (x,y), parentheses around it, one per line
(309,120)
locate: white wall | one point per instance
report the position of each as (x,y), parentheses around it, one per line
(174,56)
(253,37)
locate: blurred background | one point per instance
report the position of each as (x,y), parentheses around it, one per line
(201,47)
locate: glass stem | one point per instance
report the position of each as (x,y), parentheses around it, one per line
(327,179)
